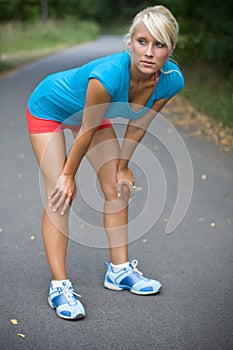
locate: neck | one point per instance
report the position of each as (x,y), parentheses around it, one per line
(137,77)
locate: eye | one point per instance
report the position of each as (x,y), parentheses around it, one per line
(142,41)
(159,44)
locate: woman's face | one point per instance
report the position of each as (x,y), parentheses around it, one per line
(147,54)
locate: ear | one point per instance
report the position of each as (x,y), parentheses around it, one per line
(172,50)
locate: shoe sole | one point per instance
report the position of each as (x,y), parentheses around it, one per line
(110,286)
(78,317)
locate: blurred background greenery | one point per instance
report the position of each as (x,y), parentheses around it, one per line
(31,28)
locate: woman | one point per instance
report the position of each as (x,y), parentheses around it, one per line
(142,79)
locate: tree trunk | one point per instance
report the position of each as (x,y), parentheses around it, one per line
(44,10)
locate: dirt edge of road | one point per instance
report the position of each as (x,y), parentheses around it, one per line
(181,113)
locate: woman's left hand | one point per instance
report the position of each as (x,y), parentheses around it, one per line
(125,178)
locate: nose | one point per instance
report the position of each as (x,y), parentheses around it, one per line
(149,51)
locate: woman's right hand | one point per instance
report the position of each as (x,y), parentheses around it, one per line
(63,194)
(125,178)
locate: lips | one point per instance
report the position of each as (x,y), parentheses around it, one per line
(148,63)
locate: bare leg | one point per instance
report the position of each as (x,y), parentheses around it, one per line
(103,155)
(50,152)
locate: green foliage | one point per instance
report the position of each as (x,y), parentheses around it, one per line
(209,91)
(22,37)
(206,27)
(20,10)
(207,35)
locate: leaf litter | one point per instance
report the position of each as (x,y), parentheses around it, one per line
(182,114)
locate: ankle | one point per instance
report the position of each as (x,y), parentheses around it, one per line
(59,283)
(59,277)
(118,267)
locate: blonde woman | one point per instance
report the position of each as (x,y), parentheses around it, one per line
(84,99)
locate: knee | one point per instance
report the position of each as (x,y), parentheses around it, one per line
(125,193)
(110,193)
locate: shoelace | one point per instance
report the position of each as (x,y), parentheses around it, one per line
(69,293)
(134,264)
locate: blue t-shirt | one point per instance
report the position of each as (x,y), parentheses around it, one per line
(61,96)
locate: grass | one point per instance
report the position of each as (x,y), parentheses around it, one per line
(210,91)
(22,42)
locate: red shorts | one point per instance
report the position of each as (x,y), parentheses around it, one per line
(38,125)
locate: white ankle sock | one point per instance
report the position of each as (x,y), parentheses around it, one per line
(118,267)
(58,283)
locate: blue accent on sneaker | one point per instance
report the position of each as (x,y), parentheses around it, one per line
(66,313)
(59,300)
(109,279)
(65,301)
(147,289)
(130,279)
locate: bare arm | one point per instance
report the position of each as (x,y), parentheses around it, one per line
(97,100)
(135,132)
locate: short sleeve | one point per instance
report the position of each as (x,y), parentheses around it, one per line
(176,84)
(109,76)
(171,81)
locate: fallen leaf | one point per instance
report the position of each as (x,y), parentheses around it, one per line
(21,335)
(212,224)
(14,321)
(203,177)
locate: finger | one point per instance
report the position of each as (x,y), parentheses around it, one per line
(74,195)
(131,189)
(125,182)
(67,205)
(118,189)
(120,185)
(125,192)
(55,198)
(60,203)
(53,193)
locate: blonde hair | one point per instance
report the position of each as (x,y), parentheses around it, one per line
(161,24)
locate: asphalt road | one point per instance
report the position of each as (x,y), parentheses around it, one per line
(194,262)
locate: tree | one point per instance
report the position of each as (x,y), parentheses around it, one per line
(44,10)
